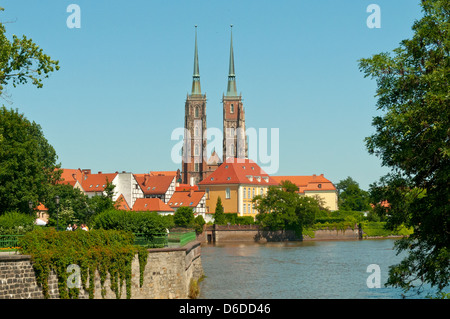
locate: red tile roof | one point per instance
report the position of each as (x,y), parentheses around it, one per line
(151,204)
(308,183)
(239,171)
(165,173)
(151,185)
(121,203)
(96,182)
(188,198)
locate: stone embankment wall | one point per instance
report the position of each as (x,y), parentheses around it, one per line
(252,233)
(167,275)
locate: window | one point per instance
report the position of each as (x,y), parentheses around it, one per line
(196,167)
(227,193)
(320,185)
(245,208)
(196,111)
(253,192)
(232,108)
(207,193)
(244,192)
(197,150)
(248,194)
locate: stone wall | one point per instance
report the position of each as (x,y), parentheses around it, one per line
(252,233)
(167,275)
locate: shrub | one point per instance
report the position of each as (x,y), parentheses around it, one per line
(184,217)
(15,223)
(148,223)
(107,251)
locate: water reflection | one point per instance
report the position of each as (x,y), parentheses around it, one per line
(310,269)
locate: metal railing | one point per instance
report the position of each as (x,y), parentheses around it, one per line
(9,242)
(176,239)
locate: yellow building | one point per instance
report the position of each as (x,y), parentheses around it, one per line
(236,182)
(314,186)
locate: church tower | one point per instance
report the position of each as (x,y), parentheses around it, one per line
(234,136)
(194,147)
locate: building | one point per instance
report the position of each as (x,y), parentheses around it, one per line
(236,182)
(196,199)
(152,205)
(195,136)
(314,186)
(156,186)
(234,135)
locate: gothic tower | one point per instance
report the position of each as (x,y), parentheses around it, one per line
(234,136)
(194,146)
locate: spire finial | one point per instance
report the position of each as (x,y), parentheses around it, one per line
(196,77)
(231,90)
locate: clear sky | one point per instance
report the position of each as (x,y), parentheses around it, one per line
(125,74)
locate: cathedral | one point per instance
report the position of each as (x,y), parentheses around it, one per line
(196,165)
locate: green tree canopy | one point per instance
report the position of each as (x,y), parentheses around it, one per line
(27,163)
(281,208)
(184,216)
(219,217)
(351,197)
(412,138)
(21,61)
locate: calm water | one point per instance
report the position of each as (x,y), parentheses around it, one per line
(300,270)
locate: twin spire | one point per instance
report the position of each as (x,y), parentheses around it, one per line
(231,88)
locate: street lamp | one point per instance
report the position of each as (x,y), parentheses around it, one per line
(30,205)
(57,212)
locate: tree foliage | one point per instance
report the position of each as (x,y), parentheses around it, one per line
(282,208)
(412,138)
(351,197)
(21,61)
(219,215)
(27,163)
(184,216)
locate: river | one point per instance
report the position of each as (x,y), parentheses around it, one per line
(299,270)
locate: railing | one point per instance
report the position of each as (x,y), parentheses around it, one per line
(181,239)
(9,242)
(175,239)
(155,241)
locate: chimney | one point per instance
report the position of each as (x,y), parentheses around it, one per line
(100,172)
(191,192)
(146,178)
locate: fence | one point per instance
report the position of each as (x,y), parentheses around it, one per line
(164,239)
(9,242)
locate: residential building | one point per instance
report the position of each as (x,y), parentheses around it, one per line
(236,182)
(314,186)
(196,199)
(156,186)
(152,205)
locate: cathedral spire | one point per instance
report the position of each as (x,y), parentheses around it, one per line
(196,77)
(231,89)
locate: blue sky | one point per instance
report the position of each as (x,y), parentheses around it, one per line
(125,74)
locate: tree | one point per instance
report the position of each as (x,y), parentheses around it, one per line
(351,197)
(219,215)
(412,138)
(21,61)
(281,208)
(27,163)
(184,216)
